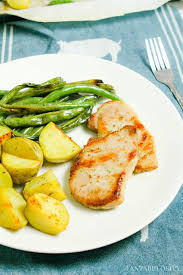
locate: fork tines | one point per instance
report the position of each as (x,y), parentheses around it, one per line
(156,53)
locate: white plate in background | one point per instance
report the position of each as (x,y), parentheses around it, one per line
(82,10)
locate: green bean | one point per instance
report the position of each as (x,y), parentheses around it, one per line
(58,105)
(77,101)
(10,110)
(79,88)
(17,133)
(27,100)
(51,81)
(107,87)
(37,131)
(57,2)
(63,99)
(80,119)
(90,81)
(43,118)
(33,134)
(29,130)
(83,99)
(73,97)
(43,88)
(8,97)
(35,100)
(2,117)
(66,126)
(26,131)
(47,107)
(95,82)
(3,92)
(4,99)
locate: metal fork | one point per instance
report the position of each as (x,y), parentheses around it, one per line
(160,65)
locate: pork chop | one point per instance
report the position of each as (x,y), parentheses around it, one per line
(112,116)
(99,175)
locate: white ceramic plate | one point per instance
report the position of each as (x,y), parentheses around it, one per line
(81,10)
(147,195)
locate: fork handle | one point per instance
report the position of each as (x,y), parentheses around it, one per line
(176,93)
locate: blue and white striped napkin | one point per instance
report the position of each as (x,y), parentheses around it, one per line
(157,249)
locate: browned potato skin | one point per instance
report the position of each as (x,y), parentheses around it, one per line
(5,134)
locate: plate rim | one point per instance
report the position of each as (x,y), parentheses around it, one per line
(81,11)
(154,215)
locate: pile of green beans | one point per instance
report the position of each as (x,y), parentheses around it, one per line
(28,107)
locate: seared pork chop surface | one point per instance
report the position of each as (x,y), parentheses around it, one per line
(112,116)
(99,174)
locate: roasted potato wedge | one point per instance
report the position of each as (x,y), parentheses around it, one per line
(56,145)
(47,184)
(5,134)
(18,4)
(23,148)
(46,214)
(5,178)
(12,207)
(21,170)
(22,158)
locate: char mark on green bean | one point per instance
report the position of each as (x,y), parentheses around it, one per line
(12,111)
(95,82)
(107,87)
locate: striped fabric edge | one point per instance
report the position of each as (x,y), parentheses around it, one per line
(7,43)
(172,33)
